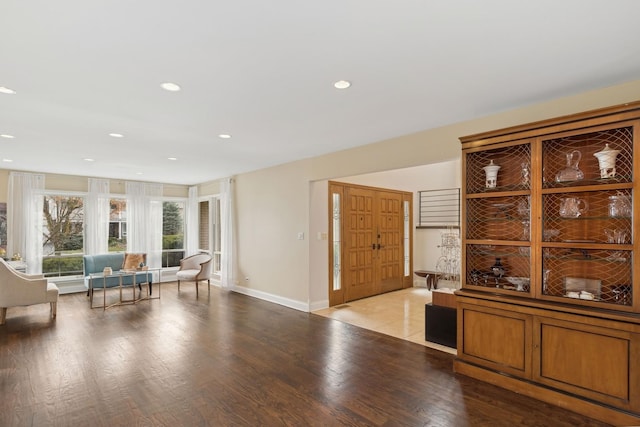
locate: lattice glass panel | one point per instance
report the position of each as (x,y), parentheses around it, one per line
(514,172)
(588,217)
(513,273)
(498,218)
(588,274)
(559,154)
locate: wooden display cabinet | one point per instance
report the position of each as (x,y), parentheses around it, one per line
(550,298)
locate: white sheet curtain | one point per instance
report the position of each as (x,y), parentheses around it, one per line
(227,234)
(144,221)
(192,234)
(96,213)
(24,218)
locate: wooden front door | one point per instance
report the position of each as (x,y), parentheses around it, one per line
(390,228)
(359,244)
(372,248)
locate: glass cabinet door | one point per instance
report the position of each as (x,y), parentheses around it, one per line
(498,218)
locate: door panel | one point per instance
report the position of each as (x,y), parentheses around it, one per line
(360,280)
(390,229)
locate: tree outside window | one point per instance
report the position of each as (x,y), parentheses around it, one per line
(172,233)
(118,225)
(63,239)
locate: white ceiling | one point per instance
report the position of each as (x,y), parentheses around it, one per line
(263,71)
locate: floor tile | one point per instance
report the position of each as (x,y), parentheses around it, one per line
(399,314)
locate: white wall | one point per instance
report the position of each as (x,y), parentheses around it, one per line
(272,208)
(319,245)
(274,204)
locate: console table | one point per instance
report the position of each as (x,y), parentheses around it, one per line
(120,274)
(431,277)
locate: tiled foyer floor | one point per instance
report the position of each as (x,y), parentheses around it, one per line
(399,314)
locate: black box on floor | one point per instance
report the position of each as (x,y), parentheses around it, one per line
(440,325)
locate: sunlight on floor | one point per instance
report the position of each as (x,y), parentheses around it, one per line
(399,314)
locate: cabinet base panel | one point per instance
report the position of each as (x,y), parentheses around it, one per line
(568,402)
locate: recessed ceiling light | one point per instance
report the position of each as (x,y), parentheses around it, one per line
(7,90)
(116,135)
(7,160)
(342,84)
(171,87)
(138,173)
(88,160)
(224,136)
(172,158)
(4,135)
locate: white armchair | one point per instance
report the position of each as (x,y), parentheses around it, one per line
(195,268)
(17,289)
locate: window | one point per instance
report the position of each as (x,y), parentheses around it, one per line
(172,233)
(118,225)
(63,240)
(209,232)
(217,242)
(205,227)
(63,232)
(3,229)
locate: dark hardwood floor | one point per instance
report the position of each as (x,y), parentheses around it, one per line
(232,360)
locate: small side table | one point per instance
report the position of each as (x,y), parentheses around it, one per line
(20,266)
(431,277)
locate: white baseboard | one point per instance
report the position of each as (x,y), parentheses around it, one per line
(297,305)
(319,305)
(70,287)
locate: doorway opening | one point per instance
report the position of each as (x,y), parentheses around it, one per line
(371,241)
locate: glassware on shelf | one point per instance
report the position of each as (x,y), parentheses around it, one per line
(475,276)
(615,236)
(619,237)
(523,208)
(571,172)
(550,234)
(607,161)
(545,280)
(619,205)
(525,230)
(491,170)
(498,270)
(570,207)
(525,173)
(621,294)
(521,283)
